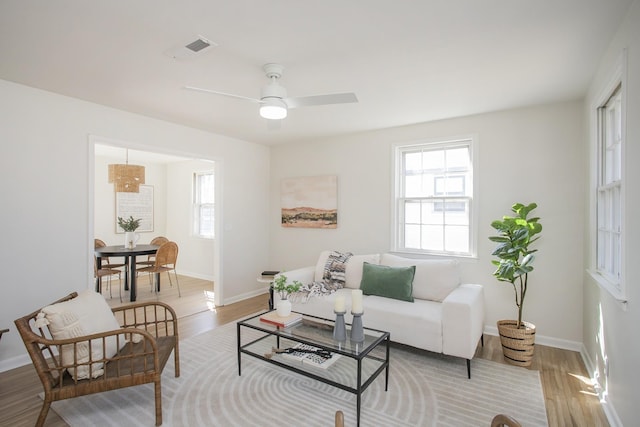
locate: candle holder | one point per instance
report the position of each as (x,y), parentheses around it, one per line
(339,329)
(357,331)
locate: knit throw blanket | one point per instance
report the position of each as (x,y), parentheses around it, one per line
(333,277)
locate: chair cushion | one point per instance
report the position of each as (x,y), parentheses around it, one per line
(434,278)
(86,314)
(390,282)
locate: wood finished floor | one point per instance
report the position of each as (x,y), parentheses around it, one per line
(569,397)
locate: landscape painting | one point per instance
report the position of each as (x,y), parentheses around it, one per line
(310,202)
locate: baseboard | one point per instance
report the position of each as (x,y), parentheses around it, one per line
(246,295)
(195,275)
(14,362)
(607,407)
(543,340)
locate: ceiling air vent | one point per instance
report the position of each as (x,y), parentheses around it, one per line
(198,45)
(190,50)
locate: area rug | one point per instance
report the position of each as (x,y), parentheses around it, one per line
(425,389)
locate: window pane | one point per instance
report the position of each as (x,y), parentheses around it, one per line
(458,159)
(432,237)
(412,236)
(412,212)
(433,160)
(413,161)
(456,238)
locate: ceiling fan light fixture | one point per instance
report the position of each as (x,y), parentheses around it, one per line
(273,109)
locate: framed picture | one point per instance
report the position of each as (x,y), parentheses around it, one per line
(137,205)
(310,202)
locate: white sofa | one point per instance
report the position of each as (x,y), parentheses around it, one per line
(445,316)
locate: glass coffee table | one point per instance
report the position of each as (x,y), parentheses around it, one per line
(353,367)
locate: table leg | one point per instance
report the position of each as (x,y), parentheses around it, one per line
(238,339)
(359,393)
(132,278)
(127,261)
(386,374)
(98,267)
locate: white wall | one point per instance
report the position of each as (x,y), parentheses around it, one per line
(46,192)
(610,328)
(525,155)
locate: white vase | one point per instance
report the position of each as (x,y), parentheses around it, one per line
(284,308)
(130,239)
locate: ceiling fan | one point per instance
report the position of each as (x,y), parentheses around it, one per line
(274,102)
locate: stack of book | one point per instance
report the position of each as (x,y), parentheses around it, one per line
(311,359)
(272,318)
(269,274)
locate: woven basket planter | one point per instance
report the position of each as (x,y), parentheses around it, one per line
(517,344)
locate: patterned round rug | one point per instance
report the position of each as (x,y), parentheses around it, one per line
(425,389)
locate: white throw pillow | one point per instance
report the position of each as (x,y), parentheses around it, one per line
(354,268)
(434,278)
(86,314)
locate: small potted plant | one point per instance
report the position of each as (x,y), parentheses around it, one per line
(130,226)
(284,289)
(514,263)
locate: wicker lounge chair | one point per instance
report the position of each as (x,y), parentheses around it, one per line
(148,336)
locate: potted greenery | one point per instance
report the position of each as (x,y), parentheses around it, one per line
(284,289)
(514,263)
(130,226)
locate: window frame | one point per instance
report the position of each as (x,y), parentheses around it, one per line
(198,205)
(398,198)
(617,287)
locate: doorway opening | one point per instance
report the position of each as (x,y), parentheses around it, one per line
(169,178)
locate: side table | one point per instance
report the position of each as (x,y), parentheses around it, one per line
(269,280)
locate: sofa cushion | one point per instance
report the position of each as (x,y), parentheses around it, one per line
(433,280)
(86,314)
(353,271)
(390,282)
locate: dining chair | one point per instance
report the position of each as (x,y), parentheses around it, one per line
(166,258)
(105,262)
(99,273)
(158,241)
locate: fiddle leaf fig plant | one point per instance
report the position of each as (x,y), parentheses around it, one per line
(515,257)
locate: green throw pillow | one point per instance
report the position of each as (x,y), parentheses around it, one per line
(390,282)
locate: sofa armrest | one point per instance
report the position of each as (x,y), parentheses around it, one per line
(463,320)
(304,275)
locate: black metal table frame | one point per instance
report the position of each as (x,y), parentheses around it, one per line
(130,259)
(360,386)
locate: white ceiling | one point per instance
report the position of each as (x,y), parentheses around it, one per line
(408,61)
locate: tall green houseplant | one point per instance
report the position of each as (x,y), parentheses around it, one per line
(515,258)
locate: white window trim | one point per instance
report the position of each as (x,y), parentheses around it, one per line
(194,207)
(396,160)
(617,78)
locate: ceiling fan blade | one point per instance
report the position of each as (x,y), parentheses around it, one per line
(309,101)
(215,92)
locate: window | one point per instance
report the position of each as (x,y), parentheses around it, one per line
(609,191)
(433,198)
(203,204)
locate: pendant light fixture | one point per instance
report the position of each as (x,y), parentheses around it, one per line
(126,178)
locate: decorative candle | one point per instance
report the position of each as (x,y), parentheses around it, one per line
(356,301)
(338,306)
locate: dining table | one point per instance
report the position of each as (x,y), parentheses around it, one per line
(129,255)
